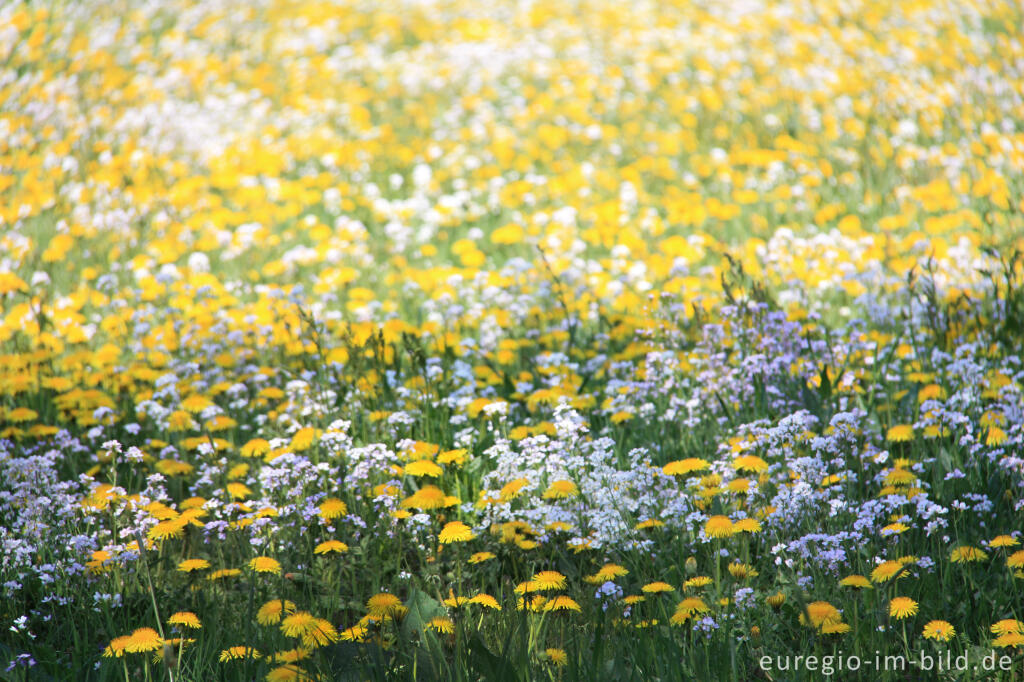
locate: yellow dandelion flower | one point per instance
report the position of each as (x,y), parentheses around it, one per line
(257,447)
(8,280)
(117,647)
(697,581)
(747,525)
(238,491)
(486,600)
(966,553)
(22,414)
(1007,626)
(196,403)
(166,529)
(835,628)
(775,600)
(329,546)
(1014,639)
(739,485)
(1003,541)
(821,613)
(649,523)
(749,463)
(423,467)
(238,471)
(856,581)
(480,557)
(719,526)
(356,633)
(606,573)
(655,587)
(171,644)
(428,497)
(271,612)
(688,608)
(547,580)
(289,673)
(185,619)
(237,653)
(298,624)
(161,511)
(224,573)
(455,602)
(173,467)
(457,456)
(221,422)
(887,570)
(144,639)
(902,607)
(900,433)
(455,531)
(189,565)
(682,467)
(332,508)
(536,603)
(510,530)
(384,604)
(900,477)
(292,655)
(180,420)
(440,624)
(99,562)
(561,603)
(265,564)
(1016,560)
(939,630)
(561,489)
(557,656)
(304,438)
(996,436)
(320,634)
(512,489)
(192,503)
(742,571)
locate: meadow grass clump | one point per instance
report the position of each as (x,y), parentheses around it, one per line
(511,342)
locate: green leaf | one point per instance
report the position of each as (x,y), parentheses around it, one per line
(825,389)
(343,660)
(422,608)
(945,460)
(489,665)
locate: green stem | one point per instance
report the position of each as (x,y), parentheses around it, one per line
(152,597)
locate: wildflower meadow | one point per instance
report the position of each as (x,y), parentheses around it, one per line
(511,340)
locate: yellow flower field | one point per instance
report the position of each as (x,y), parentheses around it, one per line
(509,340)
